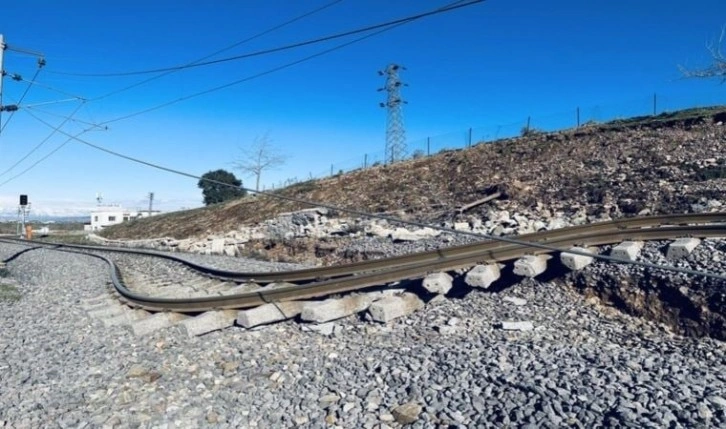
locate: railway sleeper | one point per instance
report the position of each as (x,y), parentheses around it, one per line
(382,305)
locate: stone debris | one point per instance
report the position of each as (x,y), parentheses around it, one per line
(269,313)
(126,318)
(628,250)
(577,262)
(326,329)
(156,322)
(482,276)
(530,265)
(100,303)
(107,311)
(449,359)
(682,247)
(407,413)
(243,288)
(394,307)
(208,322)
(517,326)
(439,283)
(332,309)
(514,300)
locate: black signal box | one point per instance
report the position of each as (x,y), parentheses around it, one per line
(23,200)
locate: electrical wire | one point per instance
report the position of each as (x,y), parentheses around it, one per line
(39,145)
(48,155)
(275,69)
(390,218)
(234,45)
(34,82)
(93,125)
(20,101)
(453,6)
(45,103)
(54,130)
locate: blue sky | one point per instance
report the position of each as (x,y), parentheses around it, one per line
(488,66)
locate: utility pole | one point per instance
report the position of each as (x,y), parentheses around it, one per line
(395,132)
(2,76)
(151,202)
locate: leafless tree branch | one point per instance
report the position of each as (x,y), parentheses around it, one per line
(715,70)
(258,158)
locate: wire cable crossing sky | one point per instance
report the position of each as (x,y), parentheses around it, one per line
(470,64)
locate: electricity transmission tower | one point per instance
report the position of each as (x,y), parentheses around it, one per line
(395,132)
(151,202)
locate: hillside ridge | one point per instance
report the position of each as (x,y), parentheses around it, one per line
(668,163)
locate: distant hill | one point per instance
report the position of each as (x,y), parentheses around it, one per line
(51,219)
(670,163)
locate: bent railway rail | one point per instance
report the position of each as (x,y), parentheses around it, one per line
(320,282)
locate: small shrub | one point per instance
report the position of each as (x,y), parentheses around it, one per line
(418,153)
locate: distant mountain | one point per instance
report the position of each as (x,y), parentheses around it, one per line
(46,218)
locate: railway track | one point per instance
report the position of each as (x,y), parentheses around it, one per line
(186,287)
(324,273)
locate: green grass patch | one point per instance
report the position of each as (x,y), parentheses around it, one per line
(9,293)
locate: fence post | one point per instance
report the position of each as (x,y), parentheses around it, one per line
(365,161)
(655,99)
(428,146)
(528,121)
(578,116)
(331,170)
(469,145)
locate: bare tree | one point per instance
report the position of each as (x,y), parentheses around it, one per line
(718,68)
(259,157)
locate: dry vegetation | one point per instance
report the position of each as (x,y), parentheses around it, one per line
(664,164)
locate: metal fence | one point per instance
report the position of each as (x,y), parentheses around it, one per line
(653,104)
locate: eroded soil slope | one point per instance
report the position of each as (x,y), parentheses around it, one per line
(662,165)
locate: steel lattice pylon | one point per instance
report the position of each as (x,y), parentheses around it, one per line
(395,132)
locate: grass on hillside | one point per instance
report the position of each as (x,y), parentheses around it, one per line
(379,189)
(686,115)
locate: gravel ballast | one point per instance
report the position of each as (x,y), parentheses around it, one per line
(449,364)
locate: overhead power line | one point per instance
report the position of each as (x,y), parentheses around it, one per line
(54,130)
(455,5)
(234,45)
(20,101)
(287,65)
(48,155)
(93,125)
(42,85)
(452,6)
(388,218)
(13,108)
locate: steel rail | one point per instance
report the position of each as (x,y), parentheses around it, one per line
(396,273)
(325,273)
(391,271)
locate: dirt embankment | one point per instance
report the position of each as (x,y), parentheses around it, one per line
(668,164)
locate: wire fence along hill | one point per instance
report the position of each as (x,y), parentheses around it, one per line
(654,104)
